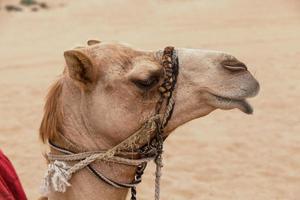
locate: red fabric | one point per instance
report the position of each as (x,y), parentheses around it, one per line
(10,186)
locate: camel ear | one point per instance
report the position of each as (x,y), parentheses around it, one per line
(92,42)
(80,67)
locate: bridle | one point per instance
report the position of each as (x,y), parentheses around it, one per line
(59,173)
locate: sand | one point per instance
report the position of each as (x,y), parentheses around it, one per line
(226,155)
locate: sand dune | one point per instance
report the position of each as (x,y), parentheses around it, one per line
(226,155)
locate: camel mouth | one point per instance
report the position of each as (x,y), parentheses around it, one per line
(227,103)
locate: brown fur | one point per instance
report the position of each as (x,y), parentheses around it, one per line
(53,114)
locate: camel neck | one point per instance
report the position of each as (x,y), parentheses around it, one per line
(85,180)
(76,135)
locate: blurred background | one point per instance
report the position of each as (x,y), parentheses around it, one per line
(226,155)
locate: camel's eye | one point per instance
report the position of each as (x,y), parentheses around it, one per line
(147,83)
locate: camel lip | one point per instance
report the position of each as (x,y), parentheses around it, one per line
(246,107)
(230,103)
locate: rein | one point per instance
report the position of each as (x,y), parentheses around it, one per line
(59,172)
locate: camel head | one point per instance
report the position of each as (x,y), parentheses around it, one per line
(111,88)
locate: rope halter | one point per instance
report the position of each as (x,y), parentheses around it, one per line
(151,133)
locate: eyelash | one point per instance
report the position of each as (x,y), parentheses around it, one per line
(146,84)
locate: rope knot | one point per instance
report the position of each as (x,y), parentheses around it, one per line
(56,178)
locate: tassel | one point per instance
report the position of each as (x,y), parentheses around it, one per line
(56,178)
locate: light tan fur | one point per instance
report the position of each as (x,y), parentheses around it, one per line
(98,103)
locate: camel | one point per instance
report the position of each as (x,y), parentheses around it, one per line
(108,90)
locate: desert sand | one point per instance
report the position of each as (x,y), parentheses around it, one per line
(225,155)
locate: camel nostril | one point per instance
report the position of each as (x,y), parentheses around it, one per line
(234,65)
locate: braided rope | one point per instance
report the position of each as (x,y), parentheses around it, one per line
(170,63)
(142,134)
(59,173)
(158,174)
(169,110)
(115,159)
